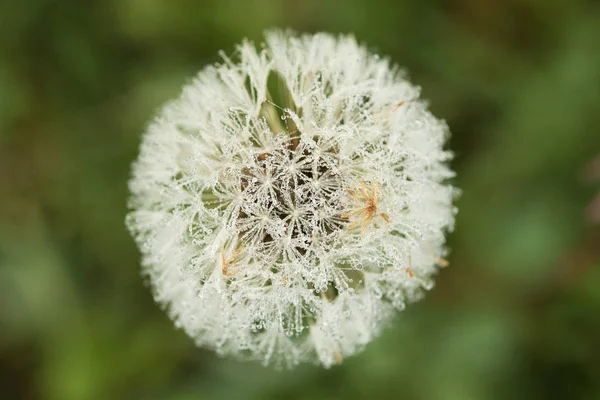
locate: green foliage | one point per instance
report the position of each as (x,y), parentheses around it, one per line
(515,315)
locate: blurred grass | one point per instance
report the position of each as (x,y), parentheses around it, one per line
(515,316)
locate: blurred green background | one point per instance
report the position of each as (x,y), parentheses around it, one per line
(515,316)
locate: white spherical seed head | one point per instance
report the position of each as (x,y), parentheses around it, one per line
(289,201)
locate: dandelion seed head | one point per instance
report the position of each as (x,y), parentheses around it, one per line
(291,199)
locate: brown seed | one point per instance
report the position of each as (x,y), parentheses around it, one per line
(366,199)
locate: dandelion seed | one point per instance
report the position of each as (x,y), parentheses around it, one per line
(260,195)
(442,262)
(367,202)
(227,261)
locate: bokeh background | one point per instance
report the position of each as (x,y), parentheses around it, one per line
(516,315)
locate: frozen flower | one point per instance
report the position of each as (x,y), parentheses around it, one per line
(291,199)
